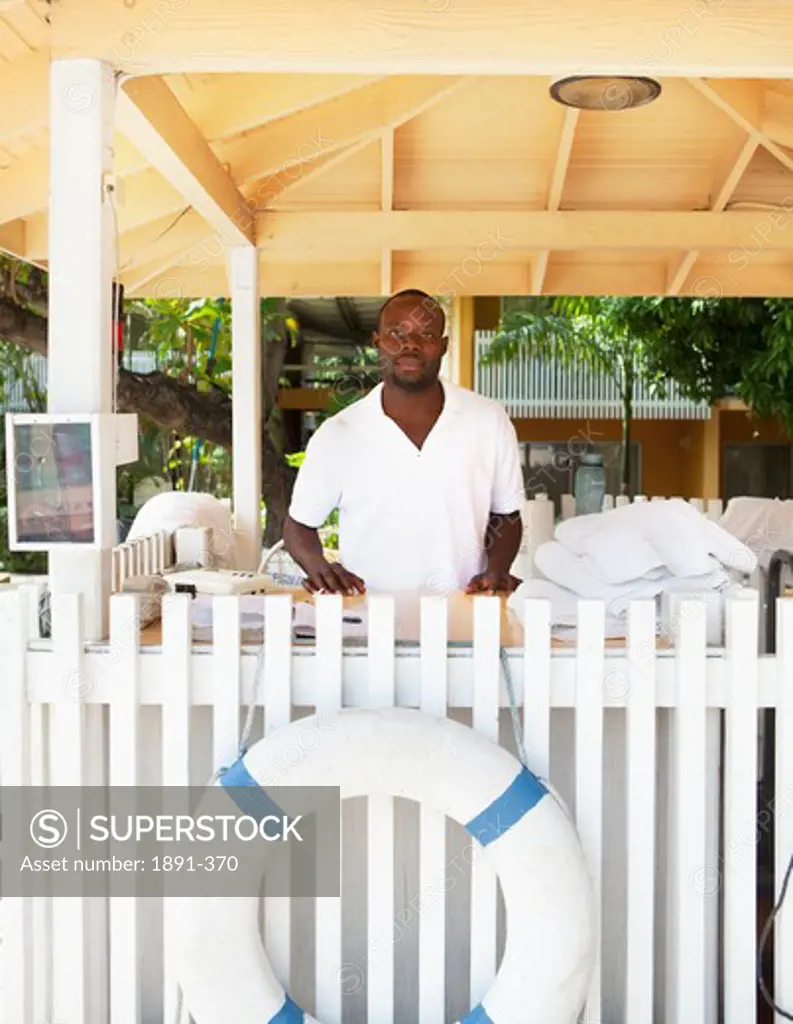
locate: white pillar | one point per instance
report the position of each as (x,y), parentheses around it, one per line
(81,263)
(246,404)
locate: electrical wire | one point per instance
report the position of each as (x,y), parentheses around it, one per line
(116,311)
(764,936)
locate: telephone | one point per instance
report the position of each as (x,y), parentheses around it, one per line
(218,581)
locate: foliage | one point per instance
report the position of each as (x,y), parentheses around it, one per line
(711,347)
(192,340)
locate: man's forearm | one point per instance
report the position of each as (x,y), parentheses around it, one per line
(502,541)
(303,544)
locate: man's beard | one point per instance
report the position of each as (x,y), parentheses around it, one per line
(412,384)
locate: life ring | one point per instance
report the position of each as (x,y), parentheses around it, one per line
(527,837)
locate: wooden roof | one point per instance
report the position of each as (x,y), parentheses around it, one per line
(406,159)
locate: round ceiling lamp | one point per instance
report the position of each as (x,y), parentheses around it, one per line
(605,92)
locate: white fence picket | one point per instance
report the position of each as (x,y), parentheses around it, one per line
(537,685)
(783,934)
(738,869)
(226,641)
(484,891)
(176,657)
(17,917)
(637,686)
(329,966)
(41,964)
(638,679)
(125,1006)
(70,915)
(589,759)
(693,881)
(380,822)
(277,687)
(432,824)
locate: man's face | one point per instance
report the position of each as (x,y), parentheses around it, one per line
(411,344)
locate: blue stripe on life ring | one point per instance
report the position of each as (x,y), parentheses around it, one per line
(478,1015)
(247,794)
(521,795)
(290,1013)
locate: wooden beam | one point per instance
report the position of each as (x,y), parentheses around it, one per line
(332,126)
(726,180)
(150,249)
(158,126)
(501,230)
(564,149)
(238,103)
(386,203)
(498,37)
(742,103)
(304,399)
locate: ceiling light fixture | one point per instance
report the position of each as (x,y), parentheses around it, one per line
(605,92)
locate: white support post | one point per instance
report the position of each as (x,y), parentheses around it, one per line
(246,407)
(81,264)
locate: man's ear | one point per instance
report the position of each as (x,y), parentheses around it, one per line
(376,340)
(445,345)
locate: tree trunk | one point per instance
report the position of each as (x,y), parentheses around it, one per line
(182,408)
(626,484)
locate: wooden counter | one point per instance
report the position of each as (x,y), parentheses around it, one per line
(407,628)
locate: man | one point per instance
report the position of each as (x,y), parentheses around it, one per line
(426,475)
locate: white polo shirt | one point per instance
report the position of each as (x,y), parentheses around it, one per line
(412,519)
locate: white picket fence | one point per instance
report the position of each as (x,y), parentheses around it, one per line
(144,556)
(630,737)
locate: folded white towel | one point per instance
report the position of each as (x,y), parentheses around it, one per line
(561,566)
(638,540)
(564,605)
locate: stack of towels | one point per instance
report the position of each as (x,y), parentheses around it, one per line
(635,551)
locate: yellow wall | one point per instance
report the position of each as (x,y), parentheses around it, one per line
(670,450)
(740,428)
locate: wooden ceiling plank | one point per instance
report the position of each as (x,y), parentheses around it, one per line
(386,204)
(481,37)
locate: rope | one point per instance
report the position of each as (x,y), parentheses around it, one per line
(517,731)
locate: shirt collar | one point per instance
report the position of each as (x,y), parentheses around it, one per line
(452,399)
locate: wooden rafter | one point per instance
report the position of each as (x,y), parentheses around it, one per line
(553,201)
(742,104)
(156,123)
(150,251)
(726,179)
(288,157)
(334,125)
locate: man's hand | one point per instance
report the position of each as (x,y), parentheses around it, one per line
(332,578)
(493,581)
